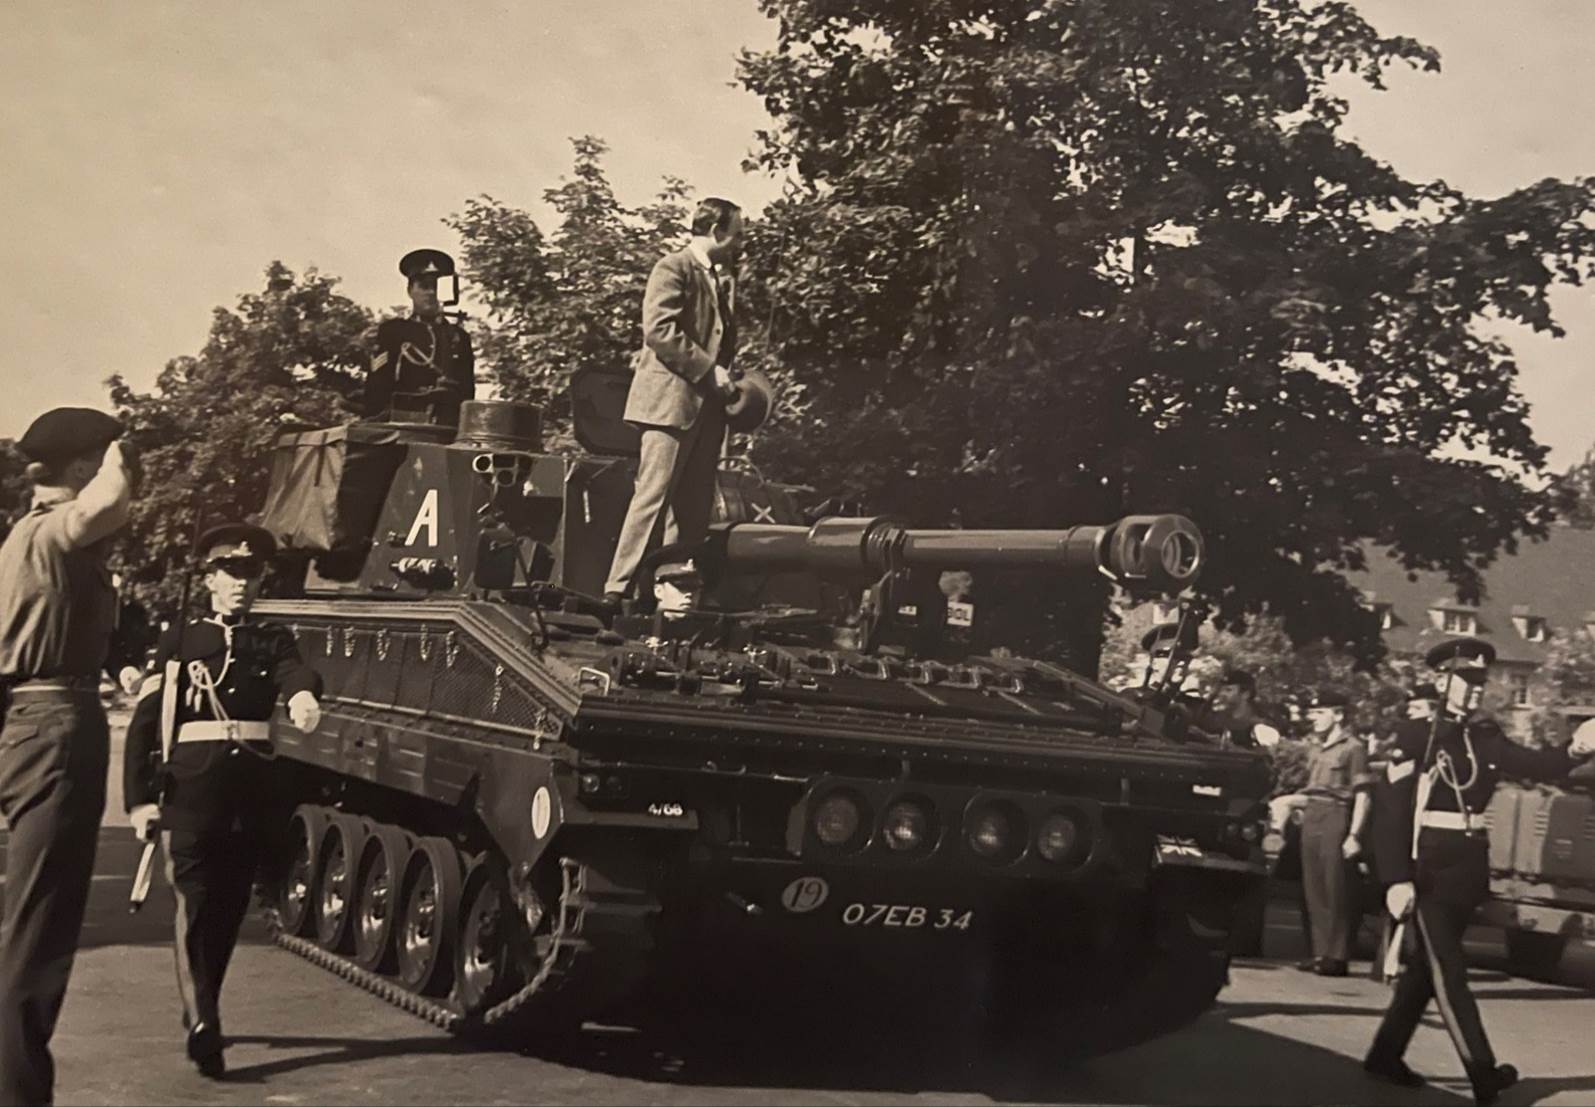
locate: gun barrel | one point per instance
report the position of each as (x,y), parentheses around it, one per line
(1163,551)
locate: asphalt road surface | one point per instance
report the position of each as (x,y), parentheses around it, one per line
(301,1035)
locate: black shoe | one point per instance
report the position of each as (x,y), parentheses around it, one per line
(614,602)
(1393,1072)
(1330,967)
(1489,1085)
(205,1050)
(1309,965)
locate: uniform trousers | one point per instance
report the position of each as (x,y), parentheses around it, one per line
(1435,968)
(54,750)
(674,496)
(1326,877)
(211,874)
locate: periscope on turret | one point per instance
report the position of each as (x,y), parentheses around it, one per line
(522,805)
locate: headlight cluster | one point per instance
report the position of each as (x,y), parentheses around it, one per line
(996,830)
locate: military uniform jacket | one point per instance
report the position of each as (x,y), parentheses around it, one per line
(412,355)
(209,784)
(1465,764)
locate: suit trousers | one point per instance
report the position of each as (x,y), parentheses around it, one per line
(1437,969)
(1326,878)
(211,875)
(54,751)
(674,496)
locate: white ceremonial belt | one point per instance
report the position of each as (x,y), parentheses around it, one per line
(227,730)
(1453,820)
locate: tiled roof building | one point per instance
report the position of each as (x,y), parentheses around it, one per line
(1544,588)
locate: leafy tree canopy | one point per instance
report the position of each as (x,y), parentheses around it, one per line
(572,298)
(289,353)
(1578,486)
(1054,261)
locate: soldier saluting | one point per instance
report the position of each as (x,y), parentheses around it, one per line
(425,353)
(1439,870)
(214,686)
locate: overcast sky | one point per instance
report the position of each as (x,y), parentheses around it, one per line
(156,156)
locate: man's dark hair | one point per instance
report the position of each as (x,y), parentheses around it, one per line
(713,214)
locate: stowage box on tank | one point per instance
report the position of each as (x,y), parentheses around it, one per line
(520,805)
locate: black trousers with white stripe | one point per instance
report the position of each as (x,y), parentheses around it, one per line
(211,875)
(1436,969)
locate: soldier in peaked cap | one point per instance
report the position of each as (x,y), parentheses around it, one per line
(57,610)
(1335,808)
(1441,871)
(213,687)
(425,353)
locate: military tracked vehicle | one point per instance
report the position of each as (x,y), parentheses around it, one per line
(521,803)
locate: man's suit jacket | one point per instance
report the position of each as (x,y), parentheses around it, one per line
(682,335)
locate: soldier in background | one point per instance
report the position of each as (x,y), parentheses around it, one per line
(1235,710)
(1439,867)
(427,353)
(57,610)
(1334,810)
(206,800)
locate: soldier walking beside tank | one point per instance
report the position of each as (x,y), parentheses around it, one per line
(426,353)
(1436,862)
(1334,811)
(205,799)
(679,393)
(57,609)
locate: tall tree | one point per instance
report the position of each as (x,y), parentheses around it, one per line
(569,299)
(289,354)
(16,490)
(1048,261)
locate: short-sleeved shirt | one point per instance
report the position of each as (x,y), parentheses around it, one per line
(57,606)
(1337,770)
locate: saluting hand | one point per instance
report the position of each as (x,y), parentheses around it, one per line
(304,712)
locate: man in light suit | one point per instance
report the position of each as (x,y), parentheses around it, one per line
(680,390)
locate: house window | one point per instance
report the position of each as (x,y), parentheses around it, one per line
(1530,627)
(1518,685)
(1459,622)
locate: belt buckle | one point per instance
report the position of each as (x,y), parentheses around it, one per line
(230,729)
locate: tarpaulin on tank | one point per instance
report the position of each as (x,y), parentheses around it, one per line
(328,486)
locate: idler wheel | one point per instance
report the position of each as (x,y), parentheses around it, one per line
(336,858)
(483,972)
(428,917)
(376,899)
(294,898)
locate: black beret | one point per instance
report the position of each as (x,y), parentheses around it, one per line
(1327,697)
(1461,653)
(235,540)
(1170,632)
(1239,678)
(426,263)
(64,433)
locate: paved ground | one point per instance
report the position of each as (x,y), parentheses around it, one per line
(302,1036)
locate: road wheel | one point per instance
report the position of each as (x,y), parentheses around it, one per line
(336,858)
(482,964)
(294,902)
(376,899)
(428,917)
(1533,952)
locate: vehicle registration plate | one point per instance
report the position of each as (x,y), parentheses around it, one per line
(906,916)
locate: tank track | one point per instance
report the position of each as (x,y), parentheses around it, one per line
(599,942)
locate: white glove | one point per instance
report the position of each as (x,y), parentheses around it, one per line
(1399,899)
(1350,848)
(130,677)
(304,711)
(1583,743)
(146,820)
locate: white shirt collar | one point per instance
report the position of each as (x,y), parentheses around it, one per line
(700,255)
